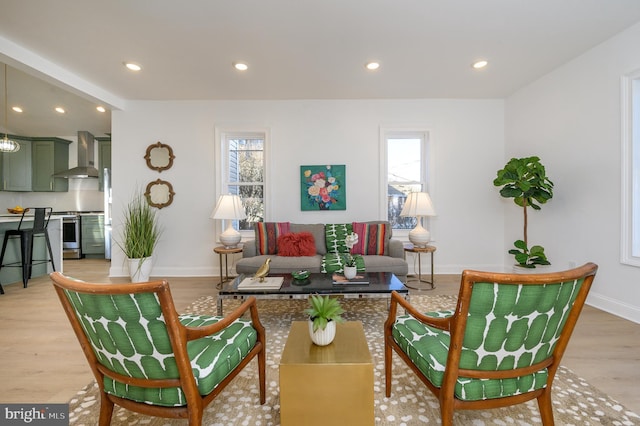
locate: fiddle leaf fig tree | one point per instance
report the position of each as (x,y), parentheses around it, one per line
(525,180)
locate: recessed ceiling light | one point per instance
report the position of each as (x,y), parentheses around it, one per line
(17,109)
(101,108)
(132,66)
(240,66)
(480,64)
(372,65)
(60,110)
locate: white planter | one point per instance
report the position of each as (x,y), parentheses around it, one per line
(350,272)
(140,269)
(323,337)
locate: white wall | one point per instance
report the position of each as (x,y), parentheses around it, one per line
(468,145)
(571,119)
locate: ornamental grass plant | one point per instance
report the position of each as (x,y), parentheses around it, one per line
(140,231)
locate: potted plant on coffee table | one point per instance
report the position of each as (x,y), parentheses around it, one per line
(324,312)
(139,237)
(349,266)
(525,180)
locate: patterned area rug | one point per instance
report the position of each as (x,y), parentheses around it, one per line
(575,401)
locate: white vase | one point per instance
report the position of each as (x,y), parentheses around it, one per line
(350,272)
(140,269)
(323,337)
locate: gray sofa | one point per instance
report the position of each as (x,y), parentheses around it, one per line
(392,261)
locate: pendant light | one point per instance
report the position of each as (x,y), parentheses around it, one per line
(6,144)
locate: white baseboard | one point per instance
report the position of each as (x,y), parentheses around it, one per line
(614,307)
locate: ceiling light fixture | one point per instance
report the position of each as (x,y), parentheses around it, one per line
(6,144)
(60,110)
(17,109)
(480,64)
(101,108)
(371,66)
(132,66)
(240,66)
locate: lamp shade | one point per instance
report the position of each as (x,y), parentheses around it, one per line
(229,208)
(418,204)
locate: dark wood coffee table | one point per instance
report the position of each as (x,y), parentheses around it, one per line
(380,285)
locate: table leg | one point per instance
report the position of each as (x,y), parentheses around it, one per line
(219,285)
(420,279)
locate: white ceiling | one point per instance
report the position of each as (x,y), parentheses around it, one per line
(296,49)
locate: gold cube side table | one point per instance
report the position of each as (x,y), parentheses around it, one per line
(331,384)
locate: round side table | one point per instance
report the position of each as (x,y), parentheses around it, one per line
(221,250)
(410,248)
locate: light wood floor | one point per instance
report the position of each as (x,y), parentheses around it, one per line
(40,360)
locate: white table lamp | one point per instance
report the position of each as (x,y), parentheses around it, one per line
(229,208)
(418,205)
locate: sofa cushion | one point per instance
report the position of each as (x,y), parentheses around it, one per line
(371,238)
(296,244)
(334,262)
(279,264)
(317,229)
(267,234)
(335,233)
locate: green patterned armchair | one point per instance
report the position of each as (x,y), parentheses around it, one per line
(147,358)
(500,346)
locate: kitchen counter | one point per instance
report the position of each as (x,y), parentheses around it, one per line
(9,275)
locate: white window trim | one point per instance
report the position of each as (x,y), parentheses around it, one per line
(220,154)
(627,225)
(402,132)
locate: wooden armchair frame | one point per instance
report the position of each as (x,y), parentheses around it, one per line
(455,326)
(179,335)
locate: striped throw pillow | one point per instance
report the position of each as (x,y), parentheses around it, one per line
(371,238)
(267,234)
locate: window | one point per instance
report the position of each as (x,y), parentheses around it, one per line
(406,155)
(630,238)
(242,172)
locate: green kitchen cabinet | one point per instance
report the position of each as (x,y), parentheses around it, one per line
(49,156)
(92,235)
(16,167)
(104,159)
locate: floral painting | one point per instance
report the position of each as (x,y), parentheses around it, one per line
(323,188)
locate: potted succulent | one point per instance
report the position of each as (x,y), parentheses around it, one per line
(140,234)
(324,312)
(348,260)
(525,180)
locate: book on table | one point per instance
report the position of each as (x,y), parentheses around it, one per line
(269,283)
(342,280)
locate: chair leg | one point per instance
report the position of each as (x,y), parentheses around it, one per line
(446,413)
(106,410)
(26,247)
(262,362)
(4,248)
(1,289)
(546,409)
(46,237)
(388,354)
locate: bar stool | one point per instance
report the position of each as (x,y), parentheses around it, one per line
(26,236)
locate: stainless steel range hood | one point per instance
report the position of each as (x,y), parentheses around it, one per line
(86,167)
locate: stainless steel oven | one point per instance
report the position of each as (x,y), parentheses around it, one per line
(71,237)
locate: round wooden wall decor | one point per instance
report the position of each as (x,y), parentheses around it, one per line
(159,193)
(159,156)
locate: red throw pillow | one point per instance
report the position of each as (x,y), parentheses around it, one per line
(296,244)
